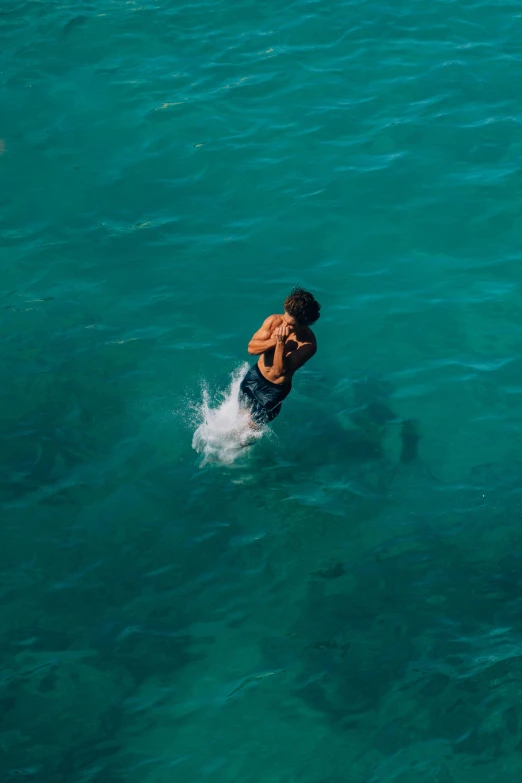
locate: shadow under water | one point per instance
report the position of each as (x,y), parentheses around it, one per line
(417,639)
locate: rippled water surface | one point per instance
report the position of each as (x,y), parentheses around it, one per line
(338,602)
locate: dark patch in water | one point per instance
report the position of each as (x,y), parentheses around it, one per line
(72,24)
(410,441)
(334,572)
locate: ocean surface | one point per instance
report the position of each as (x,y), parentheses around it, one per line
(339,601)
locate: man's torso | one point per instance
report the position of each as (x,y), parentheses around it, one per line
(292,344)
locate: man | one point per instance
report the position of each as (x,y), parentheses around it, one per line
(284,343)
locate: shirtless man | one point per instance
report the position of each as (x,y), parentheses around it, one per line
(284,343)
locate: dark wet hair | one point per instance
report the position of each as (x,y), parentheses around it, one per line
(302,306)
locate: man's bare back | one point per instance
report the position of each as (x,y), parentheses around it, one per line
(283,343)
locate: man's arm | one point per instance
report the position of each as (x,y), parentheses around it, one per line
(262,340)
(301,356)
(279,364)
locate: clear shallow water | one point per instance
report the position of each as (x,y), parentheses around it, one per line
(317,611)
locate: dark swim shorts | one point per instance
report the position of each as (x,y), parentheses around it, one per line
(263,397)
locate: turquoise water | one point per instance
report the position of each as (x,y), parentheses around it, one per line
(314,609)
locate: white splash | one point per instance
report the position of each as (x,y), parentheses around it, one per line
(225,428)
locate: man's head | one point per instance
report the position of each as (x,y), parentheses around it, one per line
(301,309)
